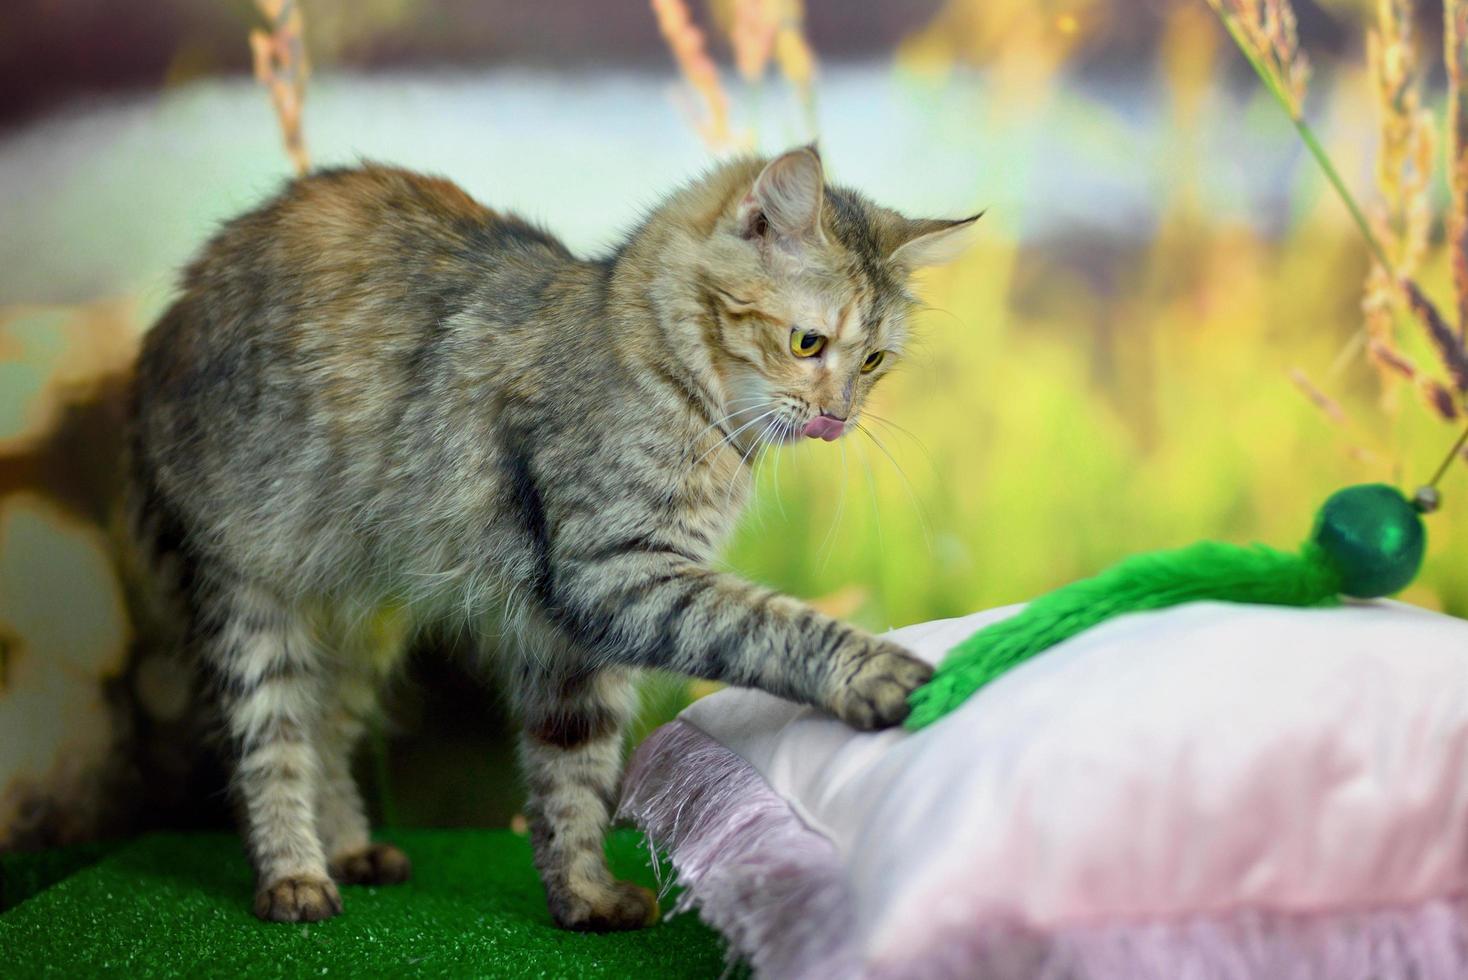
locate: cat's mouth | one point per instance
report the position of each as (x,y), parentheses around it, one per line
(827,427)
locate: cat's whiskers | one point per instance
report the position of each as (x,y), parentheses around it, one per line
(775,441)
(781,437)
(901,430)
(907,485)
(828,543)
(729,439)
(866,462)
(754,402)
(753,448)
(930,308)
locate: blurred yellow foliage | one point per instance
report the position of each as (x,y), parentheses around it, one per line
(1032,451)
(1021,42)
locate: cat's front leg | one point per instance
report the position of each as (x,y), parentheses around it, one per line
(648,607)
(574,717)
(792,650)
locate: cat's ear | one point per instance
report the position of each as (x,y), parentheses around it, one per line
(934,242)
(784,202)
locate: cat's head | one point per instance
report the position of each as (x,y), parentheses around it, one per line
(804,290)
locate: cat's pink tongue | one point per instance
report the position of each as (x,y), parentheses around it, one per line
(824,427)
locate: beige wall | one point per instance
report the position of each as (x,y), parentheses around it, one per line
(65,633)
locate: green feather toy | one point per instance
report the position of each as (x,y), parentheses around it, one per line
(1368,542)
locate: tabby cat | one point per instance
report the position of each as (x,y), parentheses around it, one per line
(379,406)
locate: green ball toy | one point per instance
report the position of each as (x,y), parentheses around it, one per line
(1374,537)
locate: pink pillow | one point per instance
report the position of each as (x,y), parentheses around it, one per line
(1207,791)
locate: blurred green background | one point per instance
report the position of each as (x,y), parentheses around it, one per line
(1119,365)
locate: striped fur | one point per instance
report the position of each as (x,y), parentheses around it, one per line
(378,405)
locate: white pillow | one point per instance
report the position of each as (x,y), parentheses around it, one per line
(1208,791)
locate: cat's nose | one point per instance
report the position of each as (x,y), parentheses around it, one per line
(825,426)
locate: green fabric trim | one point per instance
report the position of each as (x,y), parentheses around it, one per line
(1208,570)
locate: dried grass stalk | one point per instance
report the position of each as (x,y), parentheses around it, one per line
(1332,410)
(1389,359)
(686,42)
(1265,31)
(752,35)
(1455,54)
(1403,218)
(1444,339)
(281,66)
(1327,405)
(1439,399)
(1404,159)
(792,52)
(762,30)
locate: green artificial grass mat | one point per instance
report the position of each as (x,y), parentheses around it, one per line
(25,873)
(179,905)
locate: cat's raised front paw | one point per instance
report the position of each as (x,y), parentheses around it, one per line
(874,691)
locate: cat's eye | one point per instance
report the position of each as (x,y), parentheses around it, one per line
(806,343)
(873,361)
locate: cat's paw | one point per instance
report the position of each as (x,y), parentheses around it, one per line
(872,689)
(298,898)
(617,907)
(375,864)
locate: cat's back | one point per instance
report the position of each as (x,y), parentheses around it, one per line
(359,259)
(334,288)
(341,225)
(318,337)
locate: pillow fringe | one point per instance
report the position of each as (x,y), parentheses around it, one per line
(776,890)
(747,863)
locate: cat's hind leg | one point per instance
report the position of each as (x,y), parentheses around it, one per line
(270,681)
(571,756)
(363,655)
